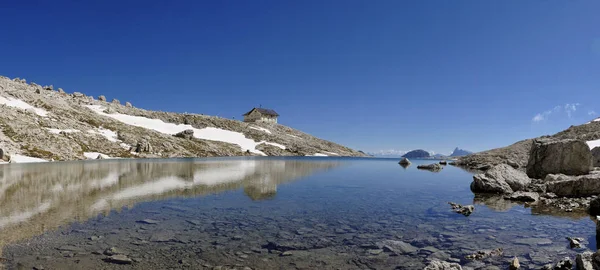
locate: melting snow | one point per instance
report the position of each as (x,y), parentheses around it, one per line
(331,153)
(209,133)
(273,144)
(25,159)
(58,131)
(94,155)
(107,133)
(593,144)
(261,129)
(17,103)
(318,155)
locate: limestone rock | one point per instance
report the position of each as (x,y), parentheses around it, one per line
(61,91)
(102,98)
(440,265)
(128,104)
(115,101)
(596,156)
(186,134)
(501,178)
(573,186)
(78,95)
(548,156)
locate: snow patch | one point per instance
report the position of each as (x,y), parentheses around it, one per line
(25,159)
(94,155)
(331,153)
(593,144)
(317,155)
(17,103)
(273,144)
(261,129)
(106,133)
(208,133)
(58,131)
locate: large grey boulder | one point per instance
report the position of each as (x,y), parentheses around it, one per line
(186,134)
(440,265)
(573,186)
(548,156)
(596,156)
(501,178)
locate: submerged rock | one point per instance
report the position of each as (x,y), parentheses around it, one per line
(573,186)
(431,167)
(482,254)
(523,196)
(570,157)
(398,247)
(514,264)
(440,265)
(500,179)
(466,210)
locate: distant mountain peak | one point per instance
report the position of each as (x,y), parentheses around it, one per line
(460,152)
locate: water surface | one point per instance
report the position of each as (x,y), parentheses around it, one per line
(265,213)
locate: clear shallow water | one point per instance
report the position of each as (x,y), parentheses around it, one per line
(265,213)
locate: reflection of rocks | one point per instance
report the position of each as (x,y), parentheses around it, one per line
(405,165)
(37,198)
(523,196)
(494,202)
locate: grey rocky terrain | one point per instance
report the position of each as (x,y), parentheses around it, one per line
(48,123)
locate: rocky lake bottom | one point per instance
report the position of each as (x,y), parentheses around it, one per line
(267,213)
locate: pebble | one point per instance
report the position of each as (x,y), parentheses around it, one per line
(119,259)
(148,221)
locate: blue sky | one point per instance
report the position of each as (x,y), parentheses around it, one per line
(372,75)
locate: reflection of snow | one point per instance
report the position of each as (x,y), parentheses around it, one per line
(24,215)
(25,159)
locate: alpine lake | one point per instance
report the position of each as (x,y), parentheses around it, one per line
(267,213)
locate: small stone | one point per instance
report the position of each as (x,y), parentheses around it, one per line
(148,221)
(119,259)
(95,238)
(375,251)
(514,264)
(285,254)
(112,251)
(237,237)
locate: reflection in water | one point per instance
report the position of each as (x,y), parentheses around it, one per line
(404,166)
(36,198)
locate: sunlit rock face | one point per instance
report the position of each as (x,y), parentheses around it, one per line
(36,198)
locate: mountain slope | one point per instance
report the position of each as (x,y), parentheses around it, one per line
(38,123)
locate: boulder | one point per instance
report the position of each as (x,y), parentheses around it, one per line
(501,178)
(440,265)
(443,162)
(143,146)
(128,104)
(186,134)
(49,87)
(573,186)
(523,196)
(404,161)
(116,101)
(78,95)
(514,264)
(102,98)
(61,91)
(570,157)
(596,156)
(431,167)
(564,264)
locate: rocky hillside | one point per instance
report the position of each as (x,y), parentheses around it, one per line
(41,123)
(517,154)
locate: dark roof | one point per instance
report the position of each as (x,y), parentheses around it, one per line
(263,111)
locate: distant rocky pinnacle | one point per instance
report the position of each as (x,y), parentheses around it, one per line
(419,153)
(460,152)
(43,123)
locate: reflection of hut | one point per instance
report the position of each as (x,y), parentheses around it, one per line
(261,189)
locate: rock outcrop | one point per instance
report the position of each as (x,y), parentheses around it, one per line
(500,179)
(596,156)
(186,134)
(573,186)
(550,156)
(101,98)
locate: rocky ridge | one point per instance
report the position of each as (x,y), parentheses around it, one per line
(39,123)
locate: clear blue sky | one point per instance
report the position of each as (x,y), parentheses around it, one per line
(368,74)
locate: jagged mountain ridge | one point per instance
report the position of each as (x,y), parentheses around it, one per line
(42,123)
(460,152)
